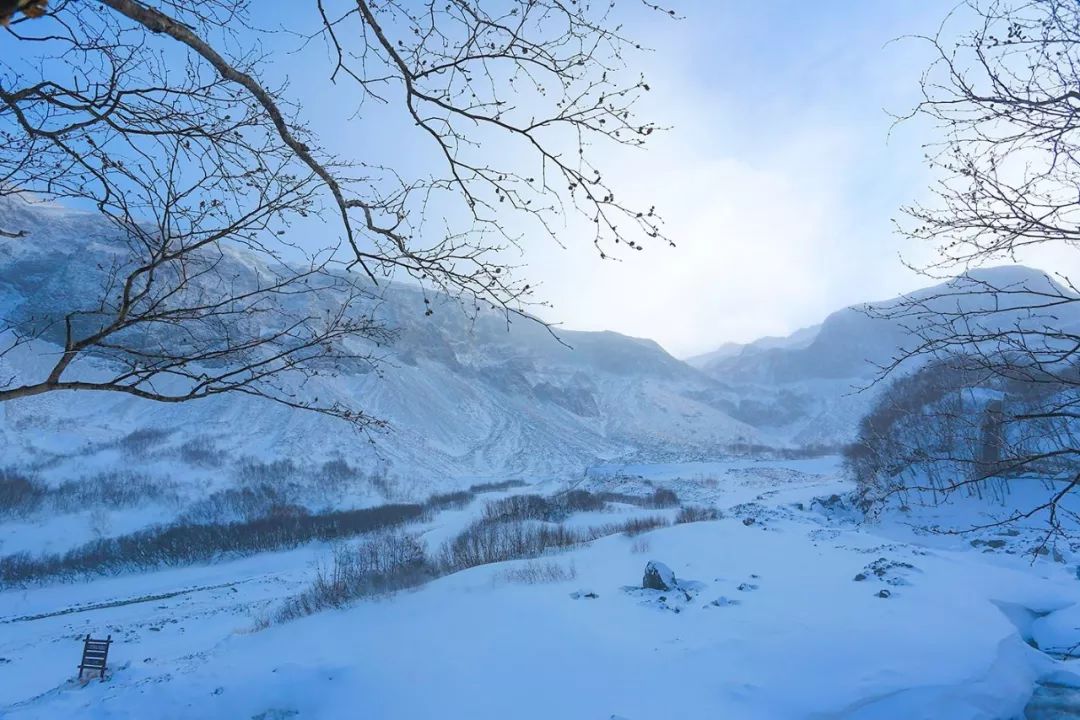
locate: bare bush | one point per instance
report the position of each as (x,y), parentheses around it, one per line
(117,489)
(19,493)
(580,501)
(242,504)
(536,572)
(696,513)
(664,498)
(640,546)
(658,499)
(275,473)
(455,500)
(202,452)
(558,507)
(517,508)
(496,486)
(185,544)
(636,526)
(22,494)
(337,477)
(630,528)
(382,563)
(339,471)
(802,452)
(486,542)
(143,440)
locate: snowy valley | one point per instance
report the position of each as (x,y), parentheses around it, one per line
(374,359)
(208,538)
(787,606)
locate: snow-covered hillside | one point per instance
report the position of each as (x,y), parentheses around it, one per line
(814,386)
(463,398)
(191,534)
(787,608)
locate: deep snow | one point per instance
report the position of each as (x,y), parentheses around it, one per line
(775,626)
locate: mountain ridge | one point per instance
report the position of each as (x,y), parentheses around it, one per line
(464,396)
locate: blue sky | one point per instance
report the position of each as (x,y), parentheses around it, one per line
(779,177)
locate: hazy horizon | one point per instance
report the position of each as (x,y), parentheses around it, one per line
(778,186)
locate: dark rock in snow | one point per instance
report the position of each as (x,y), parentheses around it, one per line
(884,593)
(658,576)
(747,587)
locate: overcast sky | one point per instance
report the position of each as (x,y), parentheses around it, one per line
(779,178)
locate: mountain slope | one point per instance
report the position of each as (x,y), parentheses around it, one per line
(813,387)
(463,397)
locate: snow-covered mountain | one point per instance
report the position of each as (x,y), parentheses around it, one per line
(798,339)
(813,386)
(463,397)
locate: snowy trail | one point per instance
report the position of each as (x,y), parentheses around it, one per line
(114,603)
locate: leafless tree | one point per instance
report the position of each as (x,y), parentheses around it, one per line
(160,118)
(1004,97)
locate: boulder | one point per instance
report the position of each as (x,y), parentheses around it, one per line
(658,576)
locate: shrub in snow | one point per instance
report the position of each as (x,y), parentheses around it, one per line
(455,500)
(241,504)
(664,498)
(552,509)
(277,472)
(202,452)
(184,544)
(488,541)
(22,494)
(496,486)
(383,563)
(631,527)
(636,526)
(535,572)
(521,507)
(661,498)
(139,442)
(19,493)
(500,535)
(965,425)
(696,513)
(658,576)
(581,501)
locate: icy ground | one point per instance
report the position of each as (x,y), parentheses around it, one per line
(788,608)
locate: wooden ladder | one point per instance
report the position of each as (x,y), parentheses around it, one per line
(94,655)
